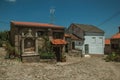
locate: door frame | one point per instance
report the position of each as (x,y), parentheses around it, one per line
(73,45)
(86,48)
(57,50)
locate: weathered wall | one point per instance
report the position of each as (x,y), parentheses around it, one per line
(95,43)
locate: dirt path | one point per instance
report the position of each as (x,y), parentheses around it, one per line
(116,69)
(76,68)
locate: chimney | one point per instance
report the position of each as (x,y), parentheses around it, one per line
(119,29)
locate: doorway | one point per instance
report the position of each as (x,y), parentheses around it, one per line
(57,53)
(73,45)
(86,48)
(66,48)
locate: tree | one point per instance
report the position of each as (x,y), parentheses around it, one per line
(4,36)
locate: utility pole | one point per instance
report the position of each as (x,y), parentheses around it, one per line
(52,15)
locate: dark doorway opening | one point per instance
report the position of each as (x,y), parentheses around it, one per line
(57,53)
(73,45)
(66,48)
(86,48)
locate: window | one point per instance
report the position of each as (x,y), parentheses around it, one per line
(115,46)
(100,37)
(77,43)
(57,35)
(41,33)
(100,41)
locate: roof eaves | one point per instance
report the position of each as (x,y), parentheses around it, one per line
(31,24)
(91,28)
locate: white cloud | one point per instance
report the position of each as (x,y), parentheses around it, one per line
(11,0)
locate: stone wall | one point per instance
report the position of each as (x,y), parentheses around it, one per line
(19,41)
(32,58)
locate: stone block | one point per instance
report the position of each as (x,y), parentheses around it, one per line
(31,58)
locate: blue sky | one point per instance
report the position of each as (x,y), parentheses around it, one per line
(92,12)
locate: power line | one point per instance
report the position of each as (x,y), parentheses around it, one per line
(114,15)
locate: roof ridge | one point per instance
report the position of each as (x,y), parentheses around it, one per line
(30,22)
(88,27)
(21,23)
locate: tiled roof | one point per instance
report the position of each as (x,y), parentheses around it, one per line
(58,42)
(116,36)
(89,28)
(74,37)
(107,41)
(67,35)
(34,24)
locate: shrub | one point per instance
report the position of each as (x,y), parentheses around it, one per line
(4,36)
(113,57)
(46,51)
(117,58)
(11,51)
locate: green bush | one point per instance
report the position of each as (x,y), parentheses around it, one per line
(117,58)
(4,36)
(11,51)
(113,57)
(46,51)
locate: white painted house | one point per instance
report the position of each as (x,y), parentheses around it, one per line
(92,38)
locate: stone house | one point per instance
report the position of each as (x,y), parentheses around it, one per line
(91,38)
(27,38)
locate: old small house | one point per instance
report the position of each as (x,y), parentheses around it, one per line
(27,37)
(91,38)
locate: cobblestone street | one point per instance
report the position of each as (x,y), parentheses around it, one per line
(76,68)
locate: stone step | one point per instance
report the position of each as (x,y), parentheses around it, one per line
(30,54)
(30,58)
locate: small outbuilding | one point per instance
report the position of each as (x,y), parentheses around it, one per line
(90,38)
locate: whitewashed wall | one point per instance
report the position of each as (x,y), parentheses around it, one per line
(78,45)
(96,44)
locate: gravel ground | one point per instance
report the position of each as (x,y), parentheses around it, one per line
(76,68)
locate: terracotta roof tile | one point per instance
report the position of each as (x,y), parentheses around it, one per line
(116,36)
(74,37)
(67,35)
(107,41)
(34,24)
(58,41)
